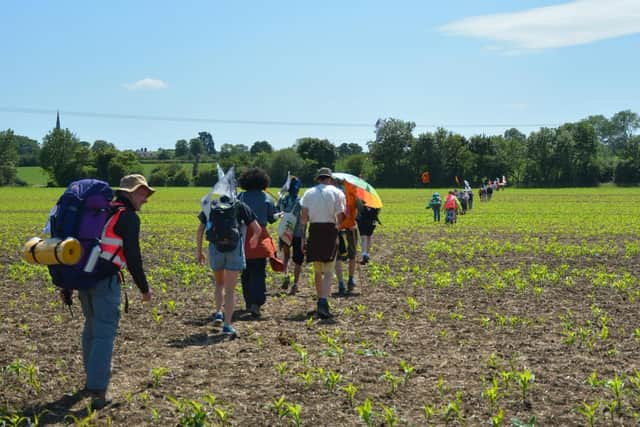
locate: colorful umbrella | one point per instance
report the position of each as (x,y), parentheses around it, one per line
(364,190)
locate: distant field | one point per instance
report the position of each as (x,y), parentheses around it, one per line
(33,175)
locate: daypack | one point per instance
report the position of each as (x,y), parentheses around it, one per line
(81,212)
(222,228)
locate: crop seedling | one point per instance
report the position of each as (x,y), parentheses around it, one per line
(302,353)
(389,415)
(491,394)
(332,380)
(616,385)
(157,374)
(294,412)
(429,412)
(279,406)
(281,368)
(350,390)
(589,411)
(407,371)
(393,334)
(365,411)
(392,380)
(525,379)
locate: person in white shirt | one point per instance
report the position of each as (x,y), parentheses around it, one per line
(323,207)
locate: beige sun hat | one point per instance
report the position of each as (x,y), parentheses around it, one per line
(131,183)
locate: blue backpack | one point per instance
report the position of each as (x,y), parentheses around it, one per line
(81,212)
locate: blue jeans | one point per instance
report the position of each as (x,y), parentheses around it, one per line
(101,309)
(436,213)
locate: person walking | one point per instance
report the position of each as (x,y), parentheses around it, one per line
(435,203)
(323,207)
(254,288)
(451,205)
(293,251)
(347,238)
(221,227)
(367,220)
(101,302)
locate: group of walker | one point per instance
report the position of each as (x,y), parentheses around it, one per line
(459,202)
(334,215)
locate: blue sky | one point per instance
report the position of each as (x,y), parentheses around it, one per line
(147,73)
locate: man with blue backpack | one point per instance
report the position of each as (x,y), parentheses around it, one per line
(109,230)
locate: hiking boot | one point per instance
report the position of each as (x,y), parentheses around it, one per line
(342,291)
(217,319)
(227,329)
(294,289)
(365,259)
(99,399)
(254,309)
(323,309)
(285,283)
(350,285)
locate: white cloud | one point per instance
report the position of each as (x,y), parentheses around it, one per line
(146,84)
(574,23)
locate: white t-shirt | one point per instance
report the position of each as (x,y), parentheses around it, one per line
(324,202)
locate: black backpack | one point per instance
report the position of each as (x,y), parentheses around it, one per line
(223,229)
(369,215)
(81,212)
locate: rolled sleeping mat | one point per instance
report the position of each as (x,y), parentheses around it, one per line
(52,251)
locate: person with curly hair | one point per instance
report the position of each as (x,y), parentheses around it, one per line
(255,181)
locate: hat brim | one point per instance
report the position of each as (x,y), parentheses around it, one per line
(134,188)
(323,176)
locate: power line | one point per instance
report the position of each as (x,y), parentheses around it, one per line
(142,117)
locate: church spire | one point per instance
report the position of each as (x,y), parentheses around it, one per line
(58,120)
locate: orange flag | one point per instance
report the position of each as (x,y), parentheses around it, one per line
(425,177)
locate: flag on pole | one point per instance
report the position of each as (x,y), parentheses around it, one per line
(226,186)
(285,186)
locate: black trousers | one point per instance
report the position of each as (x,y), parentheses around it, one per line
(254,288)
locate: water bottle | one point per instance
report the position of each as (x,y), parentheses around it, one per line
(93,259)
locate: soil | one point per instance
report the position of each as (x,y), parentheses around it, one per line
(450,335)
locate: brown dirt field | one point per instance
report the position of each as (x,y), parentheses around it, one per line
(444,339)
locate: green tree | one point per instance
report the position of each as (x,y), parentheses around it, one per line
(390,153)
(261,147)
(182,148)
(63,157)
(353,164)
(283,161)
(28,151)
(207,142)
(124,163)
(8,157)
(539,164)
(196,149)
(318,151)
(345,149)
(103,153)
(623,125)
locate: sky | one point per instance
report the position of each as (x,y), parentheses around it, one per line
(144,74)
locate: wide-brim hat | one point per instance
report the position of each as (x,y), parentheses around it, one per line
(131,183)
(323,172)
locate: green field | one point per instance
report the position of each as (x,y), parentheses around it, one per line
(525,309)
(33,175)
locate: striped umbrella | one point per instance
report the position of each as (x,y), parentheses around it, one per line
(364,190)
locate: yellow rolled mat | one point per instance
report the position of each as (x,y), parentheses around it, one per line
(52,251)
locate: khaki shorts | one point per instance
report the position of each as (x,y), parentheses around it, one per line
(324,267)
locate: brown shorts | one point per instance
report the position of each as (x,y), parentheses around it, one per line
(322,242)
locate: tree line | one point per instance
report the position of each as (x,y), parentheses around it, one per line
(585,153)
